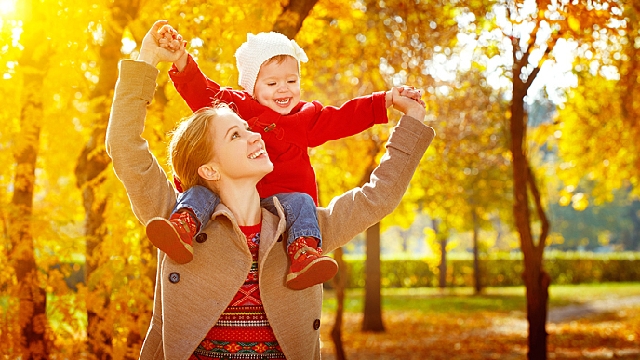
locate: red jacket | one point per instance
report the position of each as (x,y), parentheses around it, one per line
(287,137)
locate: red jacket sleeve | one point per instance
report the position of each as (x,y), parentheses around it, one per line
(199,91)
(354,116)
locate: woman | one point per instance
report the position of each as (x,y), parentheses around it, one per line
(194,302)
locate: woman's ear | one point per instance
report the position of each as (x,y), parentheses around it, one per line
(209,172)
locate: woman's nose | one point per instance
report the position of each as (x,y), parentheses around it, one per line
(254,136)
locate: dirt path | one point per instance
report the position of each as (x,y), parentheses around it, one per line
(516,323)
(573,312)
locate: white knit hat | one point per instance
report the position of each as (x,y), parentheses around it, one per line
(260,48)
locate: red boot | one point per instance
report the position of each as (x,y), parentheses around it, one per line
(174,236)
(308,266)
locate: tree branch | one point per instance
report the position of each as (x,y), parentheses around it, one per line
(293,14)
(544,227)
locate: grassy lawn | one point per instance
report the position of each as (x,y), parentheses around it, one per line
(462,300)
(455,324)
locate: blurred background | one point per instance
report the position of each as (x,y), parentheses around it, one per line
(534,170)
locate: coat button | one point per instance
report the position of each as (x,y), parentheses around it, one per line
(174,278)
(200,238)
(316,324)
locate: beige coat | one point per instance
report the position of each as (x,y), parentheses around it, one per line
(189,298)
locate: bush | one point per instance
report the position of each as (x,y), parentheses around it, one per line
(501,270)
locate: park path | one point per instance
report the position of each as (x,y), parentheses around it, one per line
(573,312)
(517,322)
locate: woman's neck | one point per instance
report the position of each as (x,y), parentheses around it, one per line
(244,203)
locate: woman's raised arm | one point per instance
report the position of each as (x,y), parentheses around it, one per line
(150,192)
(356,210)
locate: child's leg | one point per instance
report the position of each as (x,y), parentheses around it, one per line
(200,201)
(301,216)
(191,213)
(304,241)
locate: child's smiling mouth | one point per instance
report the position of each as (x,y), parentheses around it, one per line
(282,102)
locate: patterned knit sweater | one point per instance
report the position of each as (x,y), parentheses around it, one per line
(243,331)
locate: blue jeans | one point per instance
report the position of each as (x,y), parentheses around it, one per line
(299,210)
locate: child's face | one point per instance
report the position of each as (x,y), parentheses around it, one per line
(278,85)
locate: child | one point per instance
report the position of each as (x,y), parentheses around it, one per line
(268,65)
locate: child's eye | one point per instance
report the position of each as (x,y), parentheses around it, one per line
(271,84)
(293,81)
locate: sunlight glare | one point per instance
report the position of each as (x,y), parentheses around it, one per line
(7,7)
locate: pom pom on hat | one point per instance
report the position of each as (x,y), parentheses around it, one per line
(260,48)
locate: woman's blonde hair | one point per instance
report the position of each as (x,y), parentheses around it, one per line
(191,145)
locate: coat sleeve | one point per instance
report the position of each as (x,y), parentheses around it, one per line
(199,91)
(356,210)
(150,192)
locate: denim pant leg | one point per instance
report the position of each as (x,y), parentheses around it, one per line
(300,211)
(201,201)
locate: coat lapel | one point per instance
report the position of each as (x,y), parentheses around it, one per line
(272,227)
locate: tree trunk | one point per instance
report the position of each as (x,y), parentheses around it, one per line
(33,298)
(293,14)
(442,267)
(91,164)
(372,301)
(339,283)
(536,281)
(477,277)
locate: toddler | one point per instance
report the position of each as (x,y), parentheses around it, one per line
(269,71)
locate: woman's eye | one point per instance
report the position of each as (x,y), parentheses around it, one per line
(235,135)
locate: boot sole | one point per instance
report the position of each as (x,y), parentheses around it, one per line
(317,272)
(163,236)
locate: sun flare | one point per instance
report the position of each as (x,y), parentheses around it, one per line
(7,7)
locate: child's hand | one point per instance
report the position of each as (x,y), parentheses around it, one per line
(406,91)
(170,39)
(151,51)
(408,104)
(173,41)
(412,93)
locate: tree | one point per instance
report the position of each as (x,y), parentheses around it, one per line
(534,31)
(33,296)
(90,174)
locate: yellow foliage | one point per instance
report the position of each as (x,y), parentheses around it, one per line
(355,48)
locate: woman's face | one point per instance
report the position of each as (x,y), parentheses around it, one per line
(240,154)
(278,85)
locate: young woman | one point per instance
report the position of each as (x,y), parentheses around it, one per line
(231,300)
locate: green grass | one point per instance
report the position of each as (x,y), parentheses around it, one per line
(578,294)
(462,300)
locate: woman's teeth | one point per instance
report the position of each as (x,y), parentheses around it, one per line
(256,154)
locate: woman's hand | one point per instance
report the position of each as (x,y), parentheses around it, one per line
(161,43)
(409,102)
